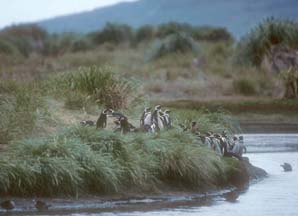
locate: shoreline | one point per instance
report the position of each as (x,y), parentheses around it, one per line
(239,183)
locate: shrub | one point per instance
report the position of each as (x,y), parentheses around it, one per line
(245,86)
(100,83)
(171,28)
(26,38)
(271,32)
(175,43)
(8,48)
(144,33)
(212,34)
(112,33)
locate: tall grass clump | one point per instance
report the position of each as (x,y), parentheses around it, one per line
(100,83)
(175,43)
(271,32)
(18,110)
(245,86)
(81,161)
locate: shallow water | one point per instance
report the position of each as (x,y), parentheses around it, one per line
(276,195)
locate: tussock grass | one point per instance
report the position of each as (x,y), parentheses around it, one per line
(82,160)
(271,32)
(100,84)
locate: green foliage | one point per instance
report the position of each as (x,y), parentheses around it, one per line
(8,48)
(18,105)
(100,83)
(144,33)
(211,34)
(26,38)
(83,160)
(208,121)
(271,32)
(175,43)
(171,28)
(112,33)
(245,86)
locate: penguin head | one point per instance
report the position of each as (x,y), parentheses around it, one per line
(147,109)
(158,107)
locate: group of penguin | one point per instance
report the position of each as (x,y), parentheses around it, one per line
(150,121)
(222,144)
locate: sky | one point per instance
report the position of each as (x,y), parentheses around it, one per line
(20,11)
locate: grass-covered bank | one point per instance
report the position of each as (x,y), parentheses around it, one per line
(81,161)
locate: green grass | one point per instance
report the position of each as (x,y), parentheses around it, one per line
(271,32)
(19,103)
(100,85)
(82,161)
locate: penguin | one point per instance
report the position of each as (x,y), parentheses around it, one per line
(167,119)
(144,114)
(102,120)
(194,127)
(287,167)
(8,205)
(124,125)
(87,123)
(155,116)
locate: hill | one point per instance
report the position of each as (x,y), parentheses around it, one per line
(236,15)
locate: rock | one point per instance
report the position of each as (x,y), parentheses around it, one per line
(40,205)
(244,173)
(287,167)
(231,196)
(7,205)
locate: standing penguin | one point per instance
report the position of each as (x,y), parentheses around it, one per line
(102,120)
(155,118)
(167,119)
(143,116)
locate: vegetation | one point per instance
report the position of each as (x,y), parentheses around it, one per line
(18,105)
(271,32)
(49,83)
(83,160)
(175,43)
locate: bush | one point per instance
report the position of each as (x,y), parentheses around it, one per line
(144,33)
(212,34)
(26,38)
(175,43)
(271,32)
(112,33)
(8,48)
(171,28)
(100,83)
(245,86)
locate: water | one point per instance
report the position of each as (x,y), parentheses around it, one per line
(276,195)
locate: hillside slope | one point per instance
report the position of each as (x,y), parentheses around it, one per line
(236,15)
